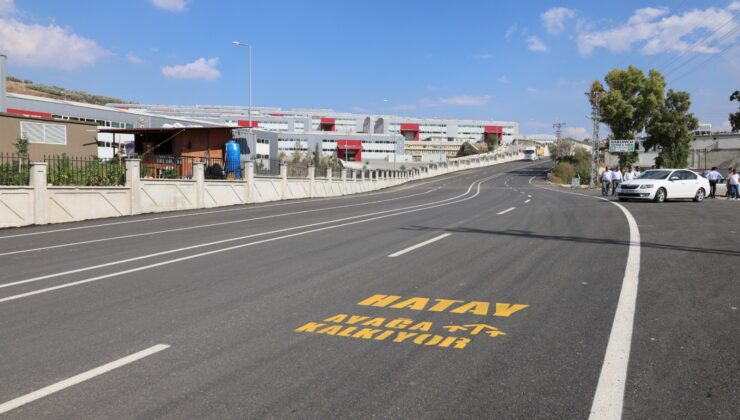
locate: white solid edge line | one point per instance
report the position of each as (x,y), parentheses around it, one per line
(419,245)
(230,222)
(43,392)
(234,247)
(609,396)
(506,211)
(242,207)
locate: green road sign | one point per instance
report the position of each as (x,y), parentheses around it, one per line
(616,146)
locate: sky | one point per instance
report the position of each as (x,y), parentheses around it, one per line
(524,61)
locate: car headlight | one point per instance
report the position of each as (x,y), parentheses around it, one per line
(646,186)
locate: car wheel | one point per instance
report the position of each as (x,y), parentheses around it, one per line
(660,196)
(699,195)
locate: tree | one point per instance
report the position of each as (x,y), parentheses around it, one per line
(670,130)
(631,100)
(317,155)
(735,118)
(21,147)
(630,103)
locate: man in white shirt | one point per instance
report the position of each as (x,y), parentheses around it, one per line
(713,176)
(733,181)
(629,175)
(606,179)
(616,180)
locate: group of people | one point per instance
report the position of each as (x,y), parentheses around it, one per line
(611,178)
(732,181)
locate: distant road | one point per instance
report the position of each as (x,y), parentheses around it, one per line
(479,294)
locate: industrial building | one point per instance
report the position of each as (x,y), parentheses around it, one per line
(352,137)
(327,120)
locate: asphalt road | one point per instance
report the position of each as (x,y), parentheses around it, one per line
(480,294)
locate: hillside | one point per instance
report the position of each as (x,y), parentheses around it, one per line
(28,87)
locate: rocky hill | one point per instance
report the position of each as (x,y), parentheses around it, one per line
(28,87)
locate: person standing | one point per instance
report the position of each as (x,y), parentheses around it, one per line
(628,175)
(616,180)
(713,176)
(733,187)
(606,179)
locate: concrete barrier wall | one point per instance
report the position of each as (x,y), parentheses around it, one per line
(167,195)
(16,206)
(39,203)
(69,204)
(224,193)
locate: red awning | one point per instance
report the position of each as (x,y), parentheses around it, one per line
(245,123)
(409,127)
(349,144)
(494,129)
(29,113)
(328,121)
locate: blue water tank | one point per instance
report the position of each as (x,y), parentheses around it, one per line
(232,158)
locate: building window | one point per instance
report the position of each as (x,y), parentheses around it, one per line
(40,133)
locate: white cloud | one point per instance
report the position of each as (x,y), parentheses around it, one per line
(134,58)
(578,133)
(7,7)
(511,31)
(503,79)
(47,46)
(484,56)
(658,31)
(201,68)
(532,89)
(171,5)
(554,19)
(462,100)
(534,43)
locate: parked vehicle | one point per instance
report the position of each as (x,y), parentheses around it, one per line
(665,184)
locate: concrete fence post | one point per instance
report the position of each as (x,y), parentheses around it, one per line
(311,181)
(344,181)
(40,193)
(328,173)
(283,181)
(133,183)
(354,181)
(250,195)
(199,176)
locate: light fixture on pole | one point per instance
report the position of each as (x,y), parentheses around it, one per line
(249,111)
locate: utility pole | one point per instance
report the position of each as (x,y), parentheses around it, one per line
(558,134)
(595,98)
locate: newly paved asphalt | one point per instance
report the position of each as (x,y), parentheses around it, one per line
(260,307)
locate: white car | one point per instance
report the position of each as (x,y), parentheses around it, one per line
(664,184)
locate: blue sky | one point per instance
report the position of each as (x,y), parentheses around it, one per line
(527,61)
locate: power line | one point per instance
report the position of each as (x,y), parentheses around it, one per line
(701,41)
(689,60)
(729,47)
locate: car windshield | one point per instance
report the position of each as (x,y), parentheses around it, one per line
(655,175)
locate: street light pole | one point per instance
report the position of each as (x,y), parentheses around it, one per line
(249,110)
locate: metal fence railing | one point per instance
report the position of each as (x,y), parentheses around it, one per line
(181,167)
(15,169)
(297,169)
(85,171)
(267,167)
(321,171)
